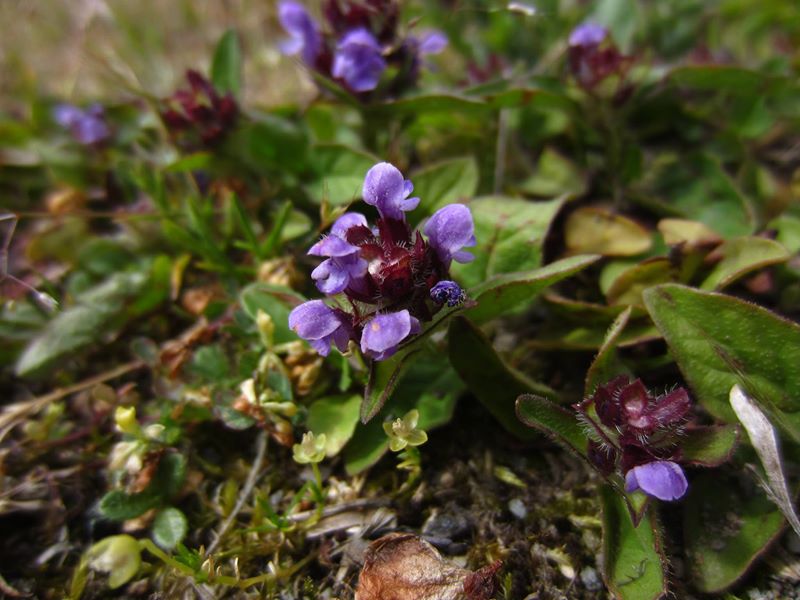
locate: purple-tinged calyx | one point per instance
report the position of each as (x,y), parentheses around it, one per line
(199,112)
(384,332)
(320,325)
(304,34)
(358,61)
(662,479)
(448,292)
(449,230)
(638,435)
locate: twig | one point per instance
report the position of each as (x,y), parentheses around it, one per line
(20,410)
(261,449)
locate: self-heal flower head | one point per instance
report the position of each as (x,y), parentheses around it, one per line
(662,479)
(392,277)
(311,449)
(386,189)
(384,333)
(358,61)
(304,35)
(320,325)
(449,230)
(593,56)
(637,435)
(86,126)
(403,432)
(199,112)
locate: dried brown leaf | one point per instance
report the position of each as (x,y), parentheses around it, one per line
(403,566)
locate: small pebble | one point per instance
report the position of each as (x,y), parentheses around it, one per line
(517,508)
(590,579)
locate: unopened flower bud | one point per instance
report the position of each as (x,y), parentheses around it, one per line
(311,449)
(119,556)
(125,418)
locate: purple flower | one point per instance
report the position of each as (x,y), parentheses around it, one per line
(384,333)
(432,42)
(87,126)
(344,264)
(320,325)
(358,60)
(449,230)
(448,292)
(386,189)
(588,34)
(304,35)
(662,479)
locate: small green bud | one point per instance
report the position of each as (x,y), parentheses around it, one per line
(125,418)
(311,449)
(266,327)
(119,556)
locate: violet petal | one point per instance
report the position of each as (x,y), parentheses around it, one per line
(662,479)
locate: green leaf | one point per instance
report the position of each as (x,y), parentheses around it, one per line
(98,314)
(554,175)
(628,286)
(275,300)
(504,293)
(430,385)
(568,336)
(121,506)
(431,103)
(600,230)
(727,78)
(709,446)
(510,234)
(606,364)
(554,421)
(169,527)
(454,180)
(269,142)
(339,172)
(697,187)
(727,525)
(741,256)
(384,375)
(719,341)
(226,67)
(336,417)
(211,363)
(167,482)
(633,562)
(494,384)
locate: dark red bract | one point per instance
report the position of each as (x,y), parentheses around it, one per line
(199,114)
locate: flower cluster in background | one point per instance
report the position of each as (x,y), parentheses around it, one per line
(199,115)
(391,277)
(638,435)
(593,56)
(362,41)
(88,126)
